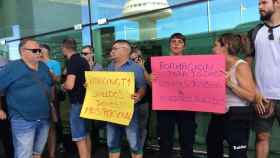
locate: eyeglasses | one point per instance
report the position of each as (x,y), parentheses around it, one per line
(116,48)
(85,53)
(270,31)
(34,51)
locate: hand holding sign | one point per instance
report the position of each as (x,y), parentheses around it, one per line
(154,77)
(136,97)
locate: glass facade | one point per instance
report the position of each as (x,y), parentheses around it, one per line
(25,18)
(145,23)
(127,19)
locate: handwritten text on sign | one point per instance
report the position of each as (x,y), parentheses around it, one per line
(108,97)
(191,83)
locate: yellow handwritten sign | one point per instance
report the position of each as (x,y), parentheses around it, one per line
(108,97)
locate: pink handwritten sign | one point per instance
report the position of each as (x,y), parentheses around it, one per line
(189,83)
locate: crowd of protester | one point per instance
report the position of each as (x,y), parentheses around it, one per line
(32,88)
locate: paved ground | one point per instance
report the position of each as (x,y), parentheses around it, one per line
(102,153)
(150,152)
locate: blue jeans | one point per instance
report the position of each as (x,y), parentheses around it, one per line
(29,137)
(143,122)
(79,126)
(114,135)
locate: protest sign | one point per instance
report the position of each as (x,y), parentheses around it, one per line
(108,97)
(189,83)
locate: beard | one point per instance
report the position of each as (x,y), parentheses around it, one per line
(267,16)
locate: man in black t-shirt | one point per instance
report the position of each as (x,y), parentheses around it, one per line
(74,85)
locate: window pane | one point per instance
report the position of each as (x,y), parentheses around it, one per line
(111,8)
(39,16)
(228,14)
(55,40)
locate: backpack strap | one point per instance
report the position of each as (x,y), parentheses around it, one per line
(252,36)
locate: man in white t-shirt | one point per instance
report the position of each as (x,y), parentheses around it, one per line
(266,44)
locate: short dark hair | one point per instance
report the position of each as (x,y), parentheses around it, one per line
(179,36)
(136,50)
(233,41)
(46,47)
(23,42)
(70,43)
(125,42)
(88,46)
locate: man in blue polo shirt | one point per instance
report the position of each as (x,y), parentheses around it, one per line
(26,84)
(120,55)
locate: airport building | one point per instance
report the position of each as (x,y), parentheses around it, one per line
(145,23)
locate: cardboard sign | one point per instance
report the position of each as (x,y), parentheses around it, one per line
(189,83)
(108,97)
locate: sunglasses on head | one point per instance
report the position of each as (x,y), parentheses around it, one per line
(270,31)
(34,51)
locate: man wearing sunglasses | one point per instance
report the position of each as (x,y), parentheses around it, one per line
(88,54)
(265,40)
(27,85)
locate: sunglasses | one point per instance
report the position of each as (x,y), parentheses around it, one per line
(34,51)
(136,59)
(270,31)
(85,53)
